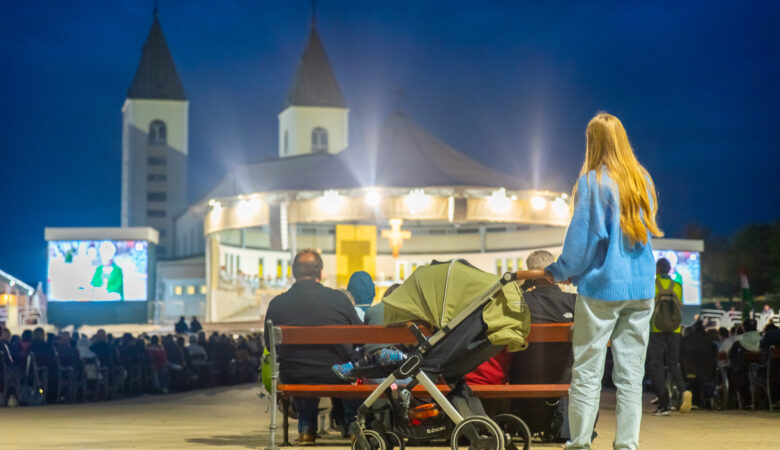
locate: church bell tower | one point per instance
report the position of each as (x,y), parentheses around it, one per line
(315,117)
(155,119)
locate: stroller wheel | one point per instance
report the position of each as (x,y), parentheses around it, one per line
(516,432)
(373,441)
(394,441)
(477,432)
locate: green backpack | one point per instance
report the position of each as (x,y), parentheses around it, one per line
(266,368)
(667,316)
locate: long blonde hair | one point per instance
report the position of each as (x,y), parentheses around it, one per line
(608,146)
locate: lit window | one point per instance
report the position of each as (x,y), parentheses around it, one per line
(203,289)
(190,290)
(177,290)
(157,133)
(319,140)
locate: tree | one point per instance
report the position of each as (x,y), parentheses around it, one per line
(755,248)
(751,250)
(718,276)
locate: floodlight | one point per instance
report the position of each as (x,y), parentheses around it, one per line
(373,197)
(538,202)
(499,202)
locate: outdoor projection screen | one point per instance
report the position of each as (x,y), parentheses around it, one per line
(98,270)
(686,269)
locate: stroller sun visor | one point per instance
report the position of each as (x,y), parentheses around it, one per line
(437,292)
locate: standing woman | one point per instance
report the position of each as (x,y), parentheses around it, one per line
(607,255)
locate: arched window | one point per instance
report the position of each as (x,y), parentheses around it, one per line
(319,140)
(157,133)
(286,142)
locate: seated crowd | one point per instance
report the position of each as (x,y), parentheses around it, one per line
(741,354)
(37,368)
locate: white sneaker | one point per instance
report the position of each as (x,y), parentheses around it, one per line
(12,402)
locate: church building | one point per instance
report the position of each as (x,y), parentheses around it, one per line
(386,204)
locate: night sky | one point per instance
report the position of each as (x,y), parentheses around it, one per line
(512,84)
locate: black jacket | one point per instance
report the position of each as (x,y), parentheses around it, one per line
(310,303)
(545,362)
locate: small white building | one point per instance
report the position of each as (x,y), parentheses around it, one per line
(17,306)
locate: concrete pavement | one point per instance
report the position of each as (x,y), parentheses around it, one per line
(235,418)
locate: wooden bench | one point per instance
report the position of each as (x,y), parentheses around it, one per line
(371,334)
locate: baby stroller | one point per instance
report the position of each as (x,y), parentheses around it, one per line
(475,314)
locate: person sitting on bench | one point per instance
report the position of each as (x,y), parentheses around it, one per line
(309,303)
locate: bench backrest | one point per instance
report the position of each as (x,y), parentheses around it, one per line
(375,334)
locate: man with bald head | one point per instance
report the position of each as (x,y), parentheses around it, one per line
(309,303)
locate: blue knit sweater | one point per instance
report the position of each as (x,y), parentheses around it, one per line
(596,257)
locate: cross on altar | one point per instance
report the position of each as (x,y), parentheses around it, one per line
(395,235)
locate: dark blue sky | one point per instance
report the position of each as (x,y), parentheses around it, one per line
(513,84)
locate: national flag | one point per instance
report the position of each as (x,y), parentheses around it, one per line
(747,296)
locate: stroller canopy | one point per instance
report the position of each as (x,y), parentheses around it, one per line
(437,292)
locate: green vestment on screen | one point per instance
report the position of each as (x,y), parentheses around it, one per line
(115,280)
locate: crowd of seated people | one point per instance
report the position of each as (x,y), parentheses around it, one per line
(39,368)
(740,354)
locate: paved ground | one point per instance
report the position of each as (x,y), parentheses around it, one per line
(234,418)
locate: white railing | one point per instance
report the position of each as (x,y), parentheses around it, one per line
(722,318)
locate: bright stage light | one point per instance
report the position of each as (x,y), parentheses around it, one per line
(212,202)
(499,202)
(373,197)
(538,202)
(416,200)
(247,207)
(560,208)
(331,201)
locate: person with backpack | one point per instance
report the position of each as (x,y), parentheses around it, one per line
(665,339)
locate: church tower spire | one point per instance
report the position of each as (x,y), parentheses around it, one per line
(155,126)
(156,76)
(315,117)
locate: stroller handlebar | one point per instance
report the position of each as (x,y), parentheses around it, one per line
(522,275)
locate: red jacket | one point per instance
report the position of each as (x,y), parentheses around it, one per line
(492,371)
